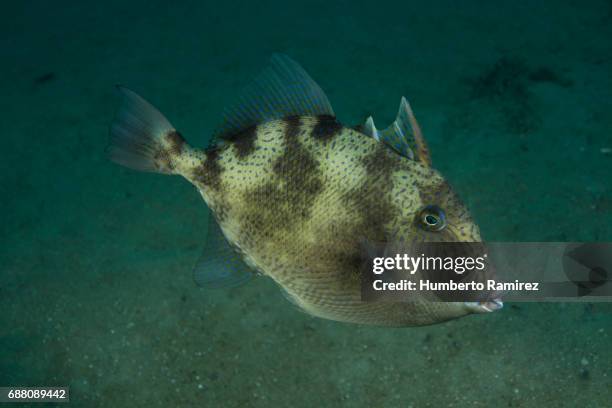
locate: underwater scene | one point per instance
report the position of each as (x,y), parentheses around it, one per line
(189,190)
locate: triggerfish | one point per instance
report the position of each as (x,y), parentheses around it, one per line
(295,195)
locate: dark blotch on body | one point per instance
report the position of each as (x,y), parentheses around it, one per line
(381,162)
(292,130)
(209,172)
(296,168)
(166,152)
(287,198)
(326,128)
(243,141)
(175,142)
(372,211)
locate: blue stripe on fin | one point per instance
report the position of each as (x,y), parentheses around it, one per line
(280,90)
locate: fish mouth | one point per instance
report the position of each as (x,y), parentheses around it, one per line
(487,306)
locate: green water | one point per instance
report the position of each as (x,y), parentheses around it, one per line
(96,291)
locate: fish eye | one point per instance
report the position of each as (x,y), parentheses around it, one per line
(432,218)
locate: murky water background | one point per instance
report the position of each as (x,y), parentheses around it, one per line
(95,260)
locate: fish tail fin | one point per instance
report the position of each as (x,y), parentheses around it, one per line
(141,138)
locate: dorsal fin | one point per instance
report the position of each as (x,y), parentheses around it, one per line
(370,129)
(404,135)
(408,125)
(282,89)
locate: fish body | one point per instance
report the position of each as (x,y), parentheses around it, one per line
(296,194)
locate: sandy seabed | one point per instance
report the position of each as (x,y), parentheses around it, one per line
(96,290)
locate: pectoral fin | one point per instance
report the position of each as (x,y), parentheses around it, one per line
(220,265)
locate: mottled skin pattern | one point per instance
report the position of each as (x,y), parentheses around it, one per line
(298,196)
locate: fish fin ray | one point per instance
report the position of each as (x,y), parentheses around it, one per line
(369,128)
(282,89)
(220,265)
(404,135)
(409,126)
(137,133)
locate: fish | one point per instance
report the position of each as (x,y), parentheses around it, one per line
(296,196)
